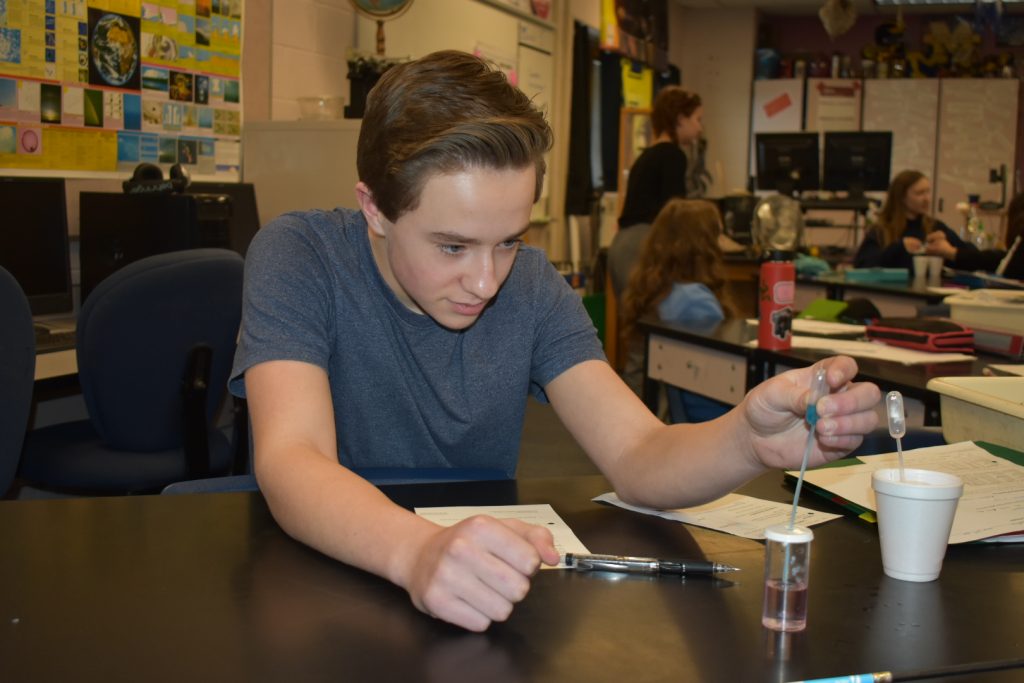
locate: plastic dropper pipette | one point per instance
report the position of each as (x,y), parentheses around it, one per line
(819,388)
(897,423)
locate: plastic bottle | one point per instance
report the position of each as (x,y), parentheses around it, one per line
(775,301)
(976,233)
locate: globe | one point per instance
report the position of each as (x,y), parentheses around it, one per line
(115,52)
(381,8)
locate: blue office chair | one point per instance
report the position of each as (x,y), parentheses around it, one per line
(17,374)
(155,345)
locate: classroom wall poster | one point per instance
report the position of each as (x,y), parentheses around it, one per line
(102,85)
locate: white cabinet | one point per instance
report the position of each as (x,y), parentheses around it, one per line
(297,165)
(777,106)
(953,130)
(833,104)
(709,372)
(977,133)
(910,109)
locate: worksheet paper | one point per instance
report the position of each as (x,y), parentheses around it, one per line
(992,503)
(820,327)
(541,515)
(867,349)
(1005,369)
(733,513)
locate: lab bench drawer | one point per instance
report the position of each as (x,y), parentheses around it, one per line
(708,372)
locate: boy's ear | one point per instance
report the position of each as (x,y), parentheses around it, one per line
(374,218)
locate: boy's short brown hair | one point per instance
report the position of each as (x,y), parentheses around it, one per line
(444,113)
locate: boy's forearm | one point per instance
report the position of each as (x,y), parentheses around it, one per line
(688,464)
(333,510)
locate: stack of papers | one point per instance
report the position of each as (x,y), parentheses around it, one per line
(732,514)
(866,349)
(992,505)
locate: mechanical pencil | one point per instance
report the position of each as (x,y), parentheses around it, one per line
(643,565)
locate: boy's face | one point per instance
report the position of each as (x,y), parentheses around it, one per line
(449,256)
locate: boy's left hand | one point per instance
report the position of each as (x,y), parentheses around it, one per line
(775,412)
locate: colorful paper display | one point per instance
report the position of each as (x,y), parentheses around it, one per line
(101,85)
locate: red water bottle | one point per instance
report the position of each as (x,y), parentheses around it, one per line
(775,294)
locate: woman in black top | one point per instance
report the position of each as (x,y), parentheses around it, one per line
(1007,262)
(657,175)
(903,228)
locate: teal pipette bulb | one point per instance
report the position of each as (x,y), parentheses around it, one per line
(819,388)
(897,423)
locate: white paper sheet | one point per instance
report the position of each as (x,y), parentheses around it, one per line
(1008,369)
(993,499)
(820,327)
(541,515)
(865,349)
(732,514)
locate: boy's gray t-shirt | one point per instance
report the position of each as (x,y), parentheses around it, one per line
(407,392)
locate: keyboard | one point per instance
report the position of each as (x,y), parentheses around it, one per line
(48,341)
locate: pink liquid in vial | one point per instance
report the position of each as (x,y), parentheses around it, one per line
(785,605)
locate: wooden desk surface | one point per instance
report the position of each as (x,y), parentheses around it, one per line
(207,587)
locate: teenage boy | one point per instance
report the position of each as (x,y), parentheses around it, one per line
(409,334)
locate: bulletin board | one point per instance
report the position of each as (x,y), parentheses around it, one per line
(102,85)
(833,104)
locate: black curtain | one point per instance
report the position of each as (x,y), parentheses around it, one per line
(580,192)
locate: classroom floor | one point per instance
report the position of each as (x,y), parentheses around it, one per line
(547,449)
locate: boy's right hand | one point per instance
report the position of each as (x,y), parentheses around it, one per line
(474,572)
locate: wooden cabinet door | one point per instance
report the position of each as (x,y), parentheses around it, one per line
(977,133)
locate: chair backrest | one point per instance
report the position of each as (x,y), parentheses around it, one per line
(136,333)
(17,374)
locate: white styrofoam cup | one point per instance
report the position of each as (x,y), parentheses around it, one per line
(915,516)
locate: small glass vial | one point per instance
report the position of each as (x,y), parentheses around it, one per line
(787,565)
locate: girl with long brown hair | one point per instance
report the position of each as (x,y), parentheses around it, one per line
(904,226)
(680,277)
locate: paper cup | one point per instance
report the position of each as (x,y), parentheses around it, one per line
(921,266)
(935,270)
(915,516)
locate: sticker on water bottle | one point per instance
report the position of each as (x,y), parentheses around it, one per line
(784,292)
(782,323)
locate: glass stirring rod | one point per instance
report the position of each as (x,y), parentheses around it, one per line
(819,388)
(897,422)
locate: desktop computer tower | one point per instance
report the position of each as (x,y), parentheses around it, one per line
(242,221)
(117,229)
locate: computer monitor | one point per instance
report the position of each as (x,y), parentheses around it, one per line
(116,229)
(787,162)
(244,219)
(857,162)
(34,241)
